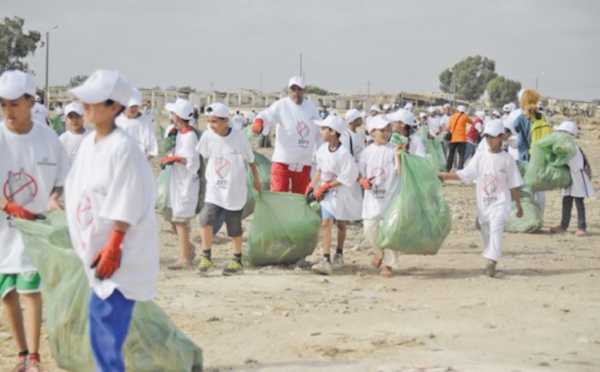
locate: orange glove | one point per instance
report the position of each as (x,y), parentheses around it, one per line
(257,127)
(322,190)
(108,260)
(169,160)
(15,210)
(365,183)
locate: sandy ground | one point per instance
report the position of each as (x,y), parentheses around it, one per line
(438,313)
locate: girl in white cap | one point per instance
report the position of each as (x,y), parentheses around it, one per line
(139,126)
(32,174)
(76,132)
(405,124)
(497,182)
(580,188)
(334,185)
(110,199)
(353,140)
(184,185)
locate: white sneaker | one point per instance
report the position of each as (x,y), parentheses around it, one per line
(338,259)
(322,267)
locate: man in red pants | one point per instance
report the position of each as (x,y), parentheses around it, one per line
(295,137)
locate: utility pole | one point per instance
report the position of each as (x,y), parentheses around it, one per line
(46,92)
(368,89)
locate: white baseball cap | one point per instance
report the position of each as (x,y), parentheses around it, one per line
(334,122)
(506,108)
(494,128)
(508,124)
(352,115)
(401,115)
(15,83)
(378,122)
(386,106)
(446,105)
(136,98)
(103,85)
(496,113)
(540,105)
(408,106)
(461,108)
(567,126)
(431,109)
(512,106)
(73,107)
(480,114)
(217,109)
(422,115)
(182,108)
(38,98)
(297,80)
(375,108)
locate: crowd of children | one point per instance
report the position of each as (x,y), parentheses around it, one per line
(110,190)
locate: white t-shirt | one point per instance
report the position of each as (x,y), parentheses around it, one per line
(185,182)
(416,145)
(71,142)
(112,181)
(582,186)
(31,165)
(39,113)
(354,142)
(495,175)
(237,121)
(378,164)
(141,131)
(343,201)
(434,125)
(226,168)
(295,133)
(445,122)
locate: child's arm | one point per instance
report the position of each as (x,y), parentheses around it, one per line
(514,192)
(399,150)
(445,176)
(315,181)
(257,184)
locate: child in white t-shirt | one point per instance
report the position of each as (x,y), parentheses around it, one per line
(225,151)
(184,184)
(405,124)
(139,126)
(71,139)
(353,140)
(379,166)
(339,192)
(498,180)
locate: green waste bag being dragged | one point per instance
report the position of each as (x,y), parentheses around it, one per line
(547,169)
(418,219)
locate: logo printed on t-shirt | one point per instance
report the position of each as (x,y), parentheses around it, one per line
(377,177)
(20,187)
(303,131)
(490,187)
(84,216)
(222,169)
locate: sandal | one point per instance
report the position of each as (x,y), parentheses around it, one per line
(376,262)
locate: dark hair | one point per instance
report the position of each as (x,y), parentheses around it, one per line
(338,135)
(110,102)
(27,96)
(407,132)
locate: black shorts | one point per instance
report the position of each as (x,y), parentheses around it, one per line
(211,213)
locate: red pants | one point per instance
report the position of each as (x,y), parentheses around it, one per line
(282,176)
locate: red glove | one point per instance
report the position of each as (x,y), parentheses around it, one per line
(322,190)
(257,127)
(15,210)
(365,183)
(309,189)
(170,160)
(108,260)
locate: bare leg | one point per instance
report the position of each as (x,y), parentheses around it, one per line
(183,234)
(326,227)
(33,320)
(237,244)
(207,235)
(341,233)
(15,319)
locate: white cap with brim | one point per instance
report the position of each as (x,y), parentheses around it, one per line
(431,109)
(386,106)
(136,98)
(422,115)
(73,107)
(218,110)
(103,85)
(352,115)
(402,115)
(567,126)
(461,108)
(378,122)
(509,124)
(15,84)
(375,108)
(182,108)
(334,122)
(298,81)
(494,128)
(496,113)
(446,105)
(506,108)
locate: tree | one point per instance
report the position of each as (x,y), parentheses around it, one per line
(15,45)
(76,81)
(468,78)
(313,89)
(502,90)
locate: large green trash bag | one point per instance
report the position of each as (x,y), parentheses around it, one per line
(418,219)
(433,149)
(531,221)
(164,180)
(251,136)
(263,167)
(285,230)
(154,343)
(58,125)
(547,169)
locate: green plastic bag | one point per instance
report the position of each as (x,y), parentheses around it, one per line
(285,230)
(531,221)
(164,180)
(58,125)
(433,150)
(547,168)
(418,219)
(154,343)
(263,167)
(251,136)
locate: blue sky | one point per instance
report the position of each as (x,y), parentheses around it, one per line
(346,44)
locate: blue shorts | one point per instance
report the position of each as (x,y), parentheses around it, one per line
(326,214)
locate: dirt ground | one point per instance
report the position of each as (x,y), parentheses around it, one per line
(438,313)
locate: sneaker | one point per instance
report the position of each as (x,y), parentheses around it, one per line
(322,267)
(204,265)
(233,268)
(490,269)
(21,365)
(35,366)
(338,259)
